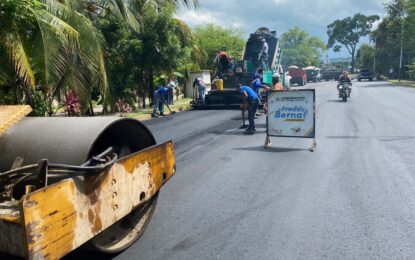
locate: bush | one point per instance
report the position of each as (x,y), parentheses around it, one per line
(411,70)
(6,97)
(72,105)
(40,104)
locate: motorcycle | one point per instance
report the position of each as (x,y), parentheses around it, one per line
(344,91)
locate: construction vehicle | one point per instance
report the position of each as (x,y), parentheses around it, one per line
(72,182)
(242,72)
(298,76)
(313,74)
(329,74)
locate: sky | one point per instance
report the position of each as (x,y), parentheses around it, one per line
(312,16)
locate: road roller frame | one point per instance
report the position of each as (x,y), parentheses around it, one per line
(111,179)
(52,221)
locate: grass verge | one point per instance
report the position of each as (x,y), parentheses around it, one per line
(179,106)
(404,83)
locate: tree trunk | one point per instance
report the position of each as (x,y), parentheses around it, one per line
(91,109)
(143,91)
(151,83)
(353,58)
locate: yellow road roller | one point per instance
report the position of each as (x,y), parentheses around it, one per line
(71,182)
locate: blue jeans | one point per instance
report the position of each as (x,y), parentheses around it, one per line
(253,105)
(155,103)
(161,105)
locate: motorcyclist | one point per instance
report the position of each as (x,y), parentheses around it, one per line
(344,78)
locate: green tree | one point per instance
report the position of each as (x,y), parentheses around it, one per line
(388,36)
(213,38)
(348,31)
(49,44)
(135,58)
(365,55)
(301,49)
(54,44)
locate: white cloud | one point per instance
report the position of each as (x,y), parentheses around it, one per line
(312,16)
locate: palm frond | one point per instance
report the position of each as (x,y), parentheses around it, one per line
(187,37)
(19,59)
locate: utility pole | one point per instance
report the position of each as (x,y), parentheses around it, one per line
(374,59)
(402,21)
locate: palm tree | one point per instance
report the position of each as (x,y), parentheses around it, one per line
(54,45)
(49,44)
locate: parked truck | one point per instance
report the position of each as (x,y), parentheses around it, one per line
(329,74)
(313,74)
(298,76)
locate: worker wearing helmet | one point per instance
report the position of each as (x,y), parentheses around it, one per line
(276,85)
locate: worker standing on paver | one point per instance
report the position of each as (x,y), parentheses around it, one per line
(224,62)
(201,89)
(263,54)
(250,102)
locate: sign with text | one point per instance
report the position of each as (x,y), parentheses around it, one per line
(291,113)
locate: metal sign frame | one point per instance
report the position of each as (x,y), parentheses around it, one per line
(313,136)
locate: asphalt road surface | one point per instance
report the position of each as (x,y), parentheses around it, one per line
(353,198)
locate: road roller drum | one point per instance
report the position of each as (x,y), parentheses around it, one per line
(71,182)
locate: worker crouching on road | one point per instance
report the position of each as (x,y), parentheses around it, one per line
(159,97)
(250,102)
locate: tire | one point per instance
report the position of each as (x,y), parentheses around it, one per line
(344,97)
(370,79)
(359,79)
(126,231)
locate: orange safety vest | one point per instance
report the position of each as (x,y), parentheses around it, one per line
(278,86)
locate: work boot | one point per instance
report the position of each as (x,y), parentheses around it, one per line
(248,132)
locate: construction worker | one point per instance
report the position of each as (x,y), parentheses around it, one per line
(276,85)
(159,97)
(172,88)
(201,89)
(263,55)
(250,102)
(224,61)
(256,85)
